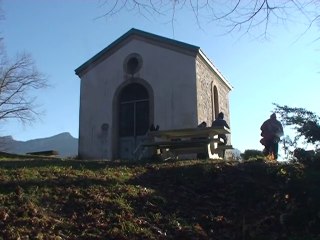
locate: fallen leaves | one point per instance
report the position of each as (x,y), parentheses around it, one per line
(171,200)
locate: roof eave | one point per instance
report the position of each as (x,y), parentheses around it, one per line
(137,32)
(225,81)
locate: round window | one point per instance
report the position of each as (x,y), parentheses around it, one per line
(132,63)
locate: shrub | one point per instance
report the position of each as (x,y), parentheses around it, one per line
(251,153)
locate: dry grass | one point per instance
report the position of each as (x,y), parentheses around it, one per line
(70,199)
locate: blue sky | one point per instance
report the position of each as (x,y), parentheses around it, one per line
(61,35)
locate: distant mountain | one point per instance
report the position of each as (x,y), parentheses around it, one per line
(63,143)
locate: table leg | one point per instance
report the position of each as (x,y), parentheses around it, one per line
(212,154)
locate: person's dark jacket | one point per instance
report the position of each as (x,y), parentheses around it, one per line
(221,122)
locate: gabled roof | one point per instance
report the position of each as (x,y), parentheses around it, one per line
(167,42)
(136,32)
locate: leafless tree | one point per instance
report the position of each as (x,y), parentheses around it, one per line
(18,79)
(242,15)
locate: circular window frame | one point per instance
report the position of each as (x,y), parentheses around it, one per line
(126,62)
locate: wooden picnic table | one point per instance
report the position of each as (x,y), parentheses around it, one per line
(174,142)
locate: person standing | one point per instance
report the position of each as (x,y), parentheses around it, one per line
(271,132)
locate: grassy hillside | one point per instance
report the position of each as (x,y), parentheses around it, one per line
(55,199)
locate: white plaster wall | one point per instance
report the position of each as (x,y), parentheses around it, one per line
(171,75)
(95,110)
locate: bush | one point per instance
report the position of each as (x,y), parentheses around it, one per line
(251,153)
(307,157)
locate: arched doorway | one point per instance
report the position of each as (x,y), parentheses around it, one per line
(134,118)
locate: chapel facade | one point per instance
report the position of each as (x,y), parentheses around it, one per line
(142,79)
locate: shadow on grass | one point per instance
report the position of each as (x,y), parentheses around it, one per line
(232,201)
(169,200)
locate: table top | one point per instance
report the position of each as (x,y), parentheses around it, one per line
(191,132)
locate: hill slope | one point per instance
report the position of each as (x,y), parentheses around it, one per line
(161,200)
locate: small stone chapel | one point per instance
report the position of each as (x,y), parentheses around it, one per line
(142,79)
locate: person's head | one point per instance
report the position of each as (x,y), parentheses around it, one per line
(202,125)
(273,116)
(221,115)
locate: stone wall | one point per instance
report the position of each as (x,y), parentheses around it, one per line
(207,78)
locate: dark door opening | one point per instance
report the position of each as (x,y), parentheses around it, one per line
(133,118)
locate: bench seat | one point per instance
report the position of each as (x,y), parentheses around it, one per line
(180,143)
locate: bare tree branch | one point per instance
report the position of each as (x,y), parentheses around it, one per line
(241,15)
(17,80)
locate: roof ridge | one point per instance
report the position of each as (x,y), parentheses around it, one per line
(134,31)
